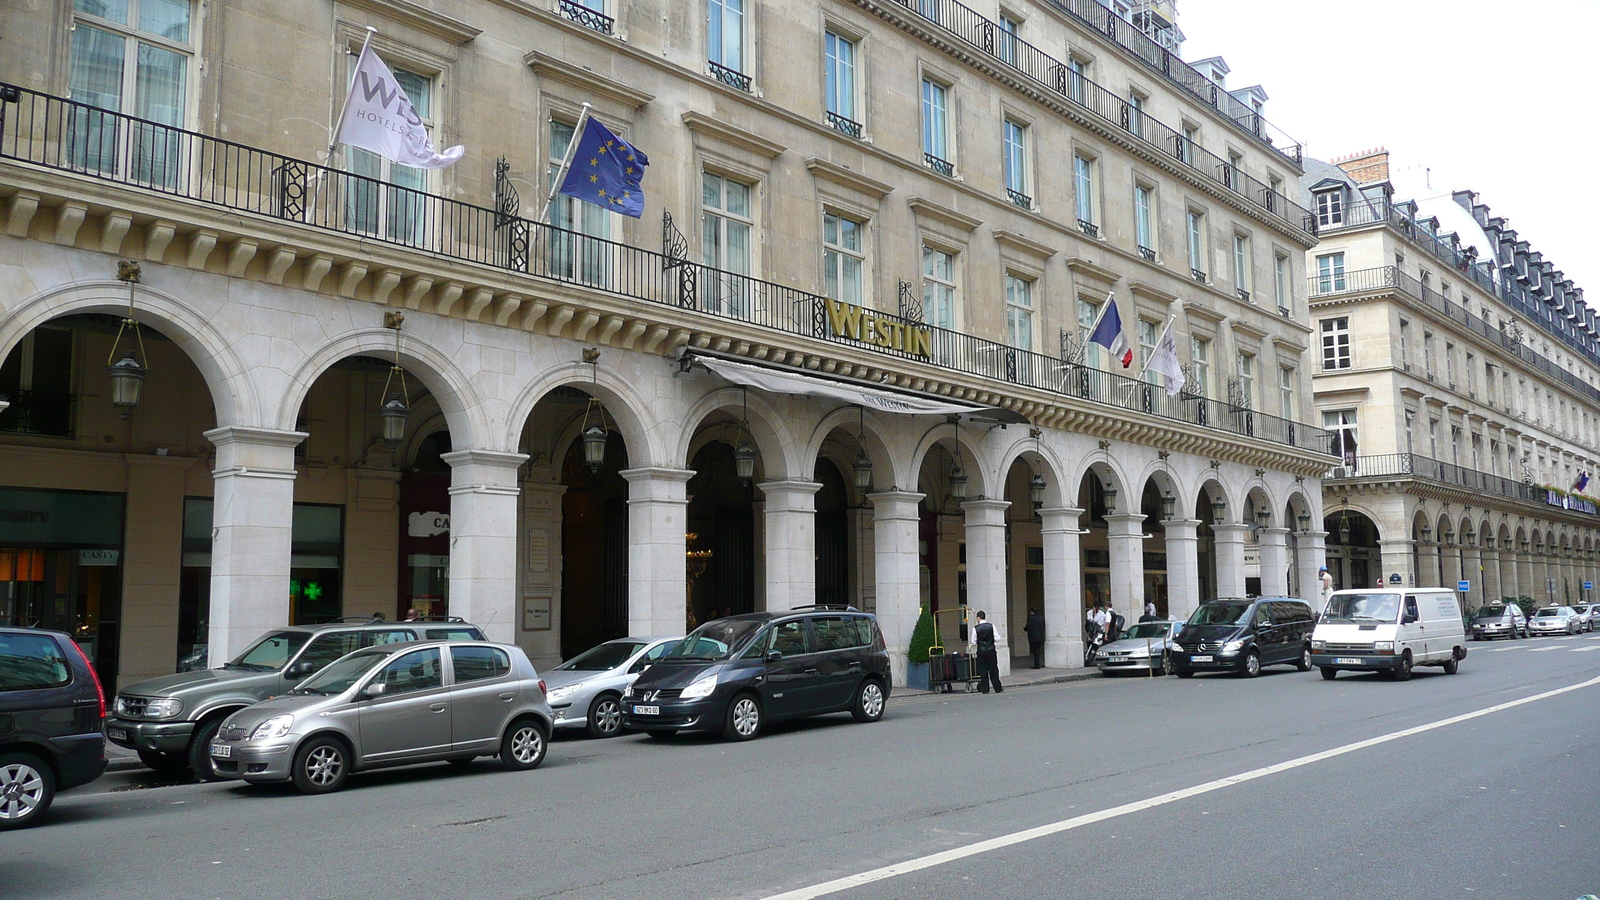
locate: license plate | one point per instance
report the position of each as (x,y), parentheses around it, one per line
(221,750)
(647,710)
(116,734)
(1347,661)
(1200,659)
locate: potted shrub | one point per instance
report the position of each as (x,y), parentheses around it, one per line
(922,638)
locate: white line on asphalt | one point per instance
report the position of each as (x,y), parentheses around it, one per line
(1541,649)
(1502,650)
(1018,837)
(1586,649)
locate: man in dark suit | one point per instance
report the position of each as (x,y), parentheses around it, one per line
(984,649)
(1035,630)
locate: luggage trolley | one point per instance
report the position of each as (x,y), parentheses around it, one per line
(946,670)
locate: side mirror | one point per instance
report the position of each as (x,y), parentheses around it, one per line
(774,655)
(1408,618)
(299,670)
(375,689)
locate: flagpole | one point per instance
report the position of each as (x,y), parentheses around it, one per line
(1145,366)
(338,124)
(566,163)
(1105,307)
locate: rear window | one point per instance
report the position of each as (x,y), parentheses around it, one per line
(455,633)
(31,662)
(478,663)
(839,632)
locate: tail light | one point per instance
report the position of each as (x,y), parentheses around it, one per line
(543,691)
(99,691)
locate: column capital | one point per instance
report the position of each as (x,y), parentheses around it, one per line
(884,502)
(657,473)
(1059,518)
(1232,533)
(790,487)
(497,459)
(254,452)
(227,435)
(985,512)
(1181,529)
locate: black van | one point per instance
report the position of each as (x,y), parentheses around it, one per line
(736,674)
(1242,635)
(51,706)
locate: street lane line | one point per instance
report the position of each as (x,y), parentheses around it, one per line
(1031,834)
(1585,649)
(1541,649)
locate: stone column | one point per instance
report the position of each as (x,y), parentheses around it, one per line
(252,530)
(986,569)
(1396,557)
(484,492)
(791,542)
(1274,562)
(1312,556)
(1229,543)
(895,527)
(1063,588)
(1490,560)
(1125,543)
(1183,567)
(1510,581)
(657,565)
(1472,571)
(1449,565)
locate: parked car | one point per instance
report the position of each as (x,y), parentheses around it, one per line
(1499,620)
(736,674)
(391,705)
(170,721)
(51,706)
(1586,614)
(1142,648)
(1389,631)
(586,690)
(1555,620)
(1242,635)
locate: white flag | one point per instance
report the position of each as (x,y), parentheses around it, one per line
(378,116)
(1164,360)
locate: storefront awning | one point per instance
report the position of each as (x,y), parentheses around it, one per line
(778,381)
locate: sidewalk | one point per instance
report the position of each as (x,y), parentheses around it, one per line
(1022,676)
(121,759)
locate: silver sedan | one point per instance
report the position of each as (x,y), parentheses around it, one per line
(1141,648)
(586,691)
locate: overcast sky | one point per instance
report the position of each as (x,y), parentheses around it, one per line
(1499,98)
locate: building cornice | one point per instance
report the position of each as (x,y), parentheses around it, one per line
(547,66)
(704,126)
(421,18)
(847,178)
(926,208)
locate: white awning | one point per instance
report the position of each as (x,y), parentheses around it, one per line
(776,381)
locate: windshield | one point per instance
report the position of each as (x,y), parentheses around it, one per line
(1362,608)
(271,652)
(1491,612)
(1145,630)
(717,639)
(1221,613)
(601,658)
(338,677)
(1547,612)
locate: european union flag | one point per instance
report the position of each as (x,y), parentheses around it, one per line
(606,171)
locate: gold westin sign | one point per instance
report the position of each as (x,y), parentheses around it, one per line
(846,320)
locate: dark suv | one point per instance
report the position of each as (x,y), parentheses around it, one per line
(170,721)
(1242,635)
(51,705)
(736,674)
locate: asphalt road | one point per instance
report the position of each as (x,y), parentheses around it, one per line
(1134,785)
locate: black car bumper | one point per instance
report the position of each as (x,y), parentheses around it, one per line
(160,737)
(1197,661)
(1356,662)
(673,715)
(79,759)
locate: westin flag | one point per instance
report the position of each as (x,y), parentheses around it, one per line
(1108,334)
(378,116)
(606,171)
(1164,361)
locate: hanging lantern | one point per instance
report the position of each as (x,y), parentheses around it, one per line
(1219,509)
(863,471)
(1036,490)
(594,448)
(127,374)
(127,382)
(958,481)
(1110,495)
(744,462)
(1344,529)
(1168,503)
(396,405)
(394,412)
(594,435)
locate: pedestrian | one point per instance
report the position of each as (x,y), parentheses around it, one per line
(1149,613)
(984,650)
(1114,629)
(1035,630)
(411,614)
(1325,579)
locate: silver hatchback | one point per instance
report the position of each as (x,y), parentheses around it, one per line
(392,705)
(586,691)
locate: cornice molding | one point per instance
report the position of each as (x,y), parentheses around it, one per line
(847,178)
(1011,240)
(1087,269)
(547,66)
(704,126)
(1149,291)
(421,18)
(926,208)
(1197,310)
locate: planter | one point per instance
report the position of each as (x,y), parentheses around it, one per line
(917,676)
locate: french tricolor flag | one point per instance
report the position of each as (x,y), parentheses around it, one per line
(1108,333)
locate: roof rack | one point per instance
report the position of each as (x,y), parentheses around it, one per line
(436,619)
(364,620)
(841,607)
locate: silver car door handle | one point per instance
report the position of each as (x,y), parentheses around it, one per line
(438,707)
(811,671)
(508,696)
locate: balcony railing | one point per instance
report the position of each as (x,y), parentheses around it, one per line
(39,412)
(1198,275)
(731,77)
(1089,228)
(588,18)
(1019,198)
(48,132)
(1147,253)
(942,166)
(1363,211)
(1401,465)
(843,125)
(1052,73)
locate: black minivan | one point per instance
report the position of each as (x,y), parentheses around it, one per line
(51,706)
(735,674)
(1242,635)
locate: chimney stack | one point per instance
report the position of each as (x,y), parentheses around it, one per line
(1366,167)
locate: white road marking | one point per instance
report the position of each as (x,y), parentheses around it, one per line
(1541,649)
(1031,834)
(1585,649)
(1501,650)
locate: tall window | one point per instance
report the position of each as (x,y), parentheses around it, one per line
(1330,273)
(37,378)
(1191,137)
(1083,188)
(839,81)
(843,258)
(1241,265)
(935,124)
(1149,332)
(725,33)
(725,243)
(1077,79)
(397,211)
(1341,424)
(1427,354)
(938,288)
(1197,245)
(580,256)
(1006,40)
(1087,312)
(1019,312)
(1286,393)
(1016,163)
(1247,381)
(1144,229)
(1405,344)
(1330,207)
(1280,281)
(1136,114)
(1450,363)
(1200,359)
(1335,342)
(132,57)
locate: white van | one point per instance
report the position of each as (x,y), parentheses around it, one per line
(1383,630)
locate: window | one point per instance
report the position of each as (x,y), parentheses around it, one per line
(1083,189)
(1006,40)
(725,244)
(1241,266)
(1077,79)
(1019,312)
(1427,354)
(1247,380)
(725,41)
(836,633)
(1280,281)
(1136,114)
(391,204)
(1286,392)
(1190,138)
(1335,342)
(936,126)
(479,663)
(131,57)
(1230,174)
(579,252)
(1149,333)
(842,258)
(938,288)
(1450,364)
(1200,358)
(1144,221)
(418,670)
(1087,313)
(1016,164)
(1330,207)
(839,82)
(1197,245)
(1341,426)
(327,647)
(1405,345)
(37,379)
(1330,273)
(32,662)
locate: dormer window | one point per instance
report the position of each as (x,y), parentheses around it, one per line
(1330,206)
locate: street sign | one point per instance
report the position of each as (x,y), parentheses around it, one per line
(1394,578)
(1463,586)
(1588,585)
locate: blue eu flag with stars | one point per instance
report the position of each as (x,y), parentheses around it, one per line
(606,171)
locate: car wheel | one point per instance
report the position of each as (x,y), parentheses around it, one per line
(321,765)
(869,701)
(605,716)
(1402,672)
(27,788)
(744,718)
(165,764)
(524,745)
(1452,665)
(1329,673)
(1304,664)
(200,749)
(1252,664)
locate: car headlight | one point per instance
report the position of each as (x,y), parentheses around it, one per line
(563,692)
(627,692)
(1233,646)
(1383,646)
(163,708)
(1319,645)
(275,727)
(700,689)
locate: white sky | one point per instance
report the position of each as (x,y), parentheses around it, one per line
(1498,98)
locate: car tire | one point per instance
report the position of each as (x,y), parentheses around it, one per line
(321,765)
(870,701)
(200,748)
(1252,664)
(1452,666)
(605,716)
(1402,672)
(1165,666)
(1304,664)
(1183,673)
(1329,673)
(524,745)
(164,764)
(27,788)
(743,720)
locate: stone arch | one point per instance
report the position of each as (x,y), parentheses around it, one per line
(1038,451)
(640,429)
(1166,479)
(1210,490)
(1258,497)
(1294,505)
(981,480)
(878,447)
(776,445)
(1107,470)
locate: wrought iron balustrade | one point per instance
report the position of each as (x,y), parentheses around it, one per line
(1412,465)
(1198,275)
(941,166)
(1019,198)
(1147,253)
(843,125)
(1089,228)
(731,77)
(592,19)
